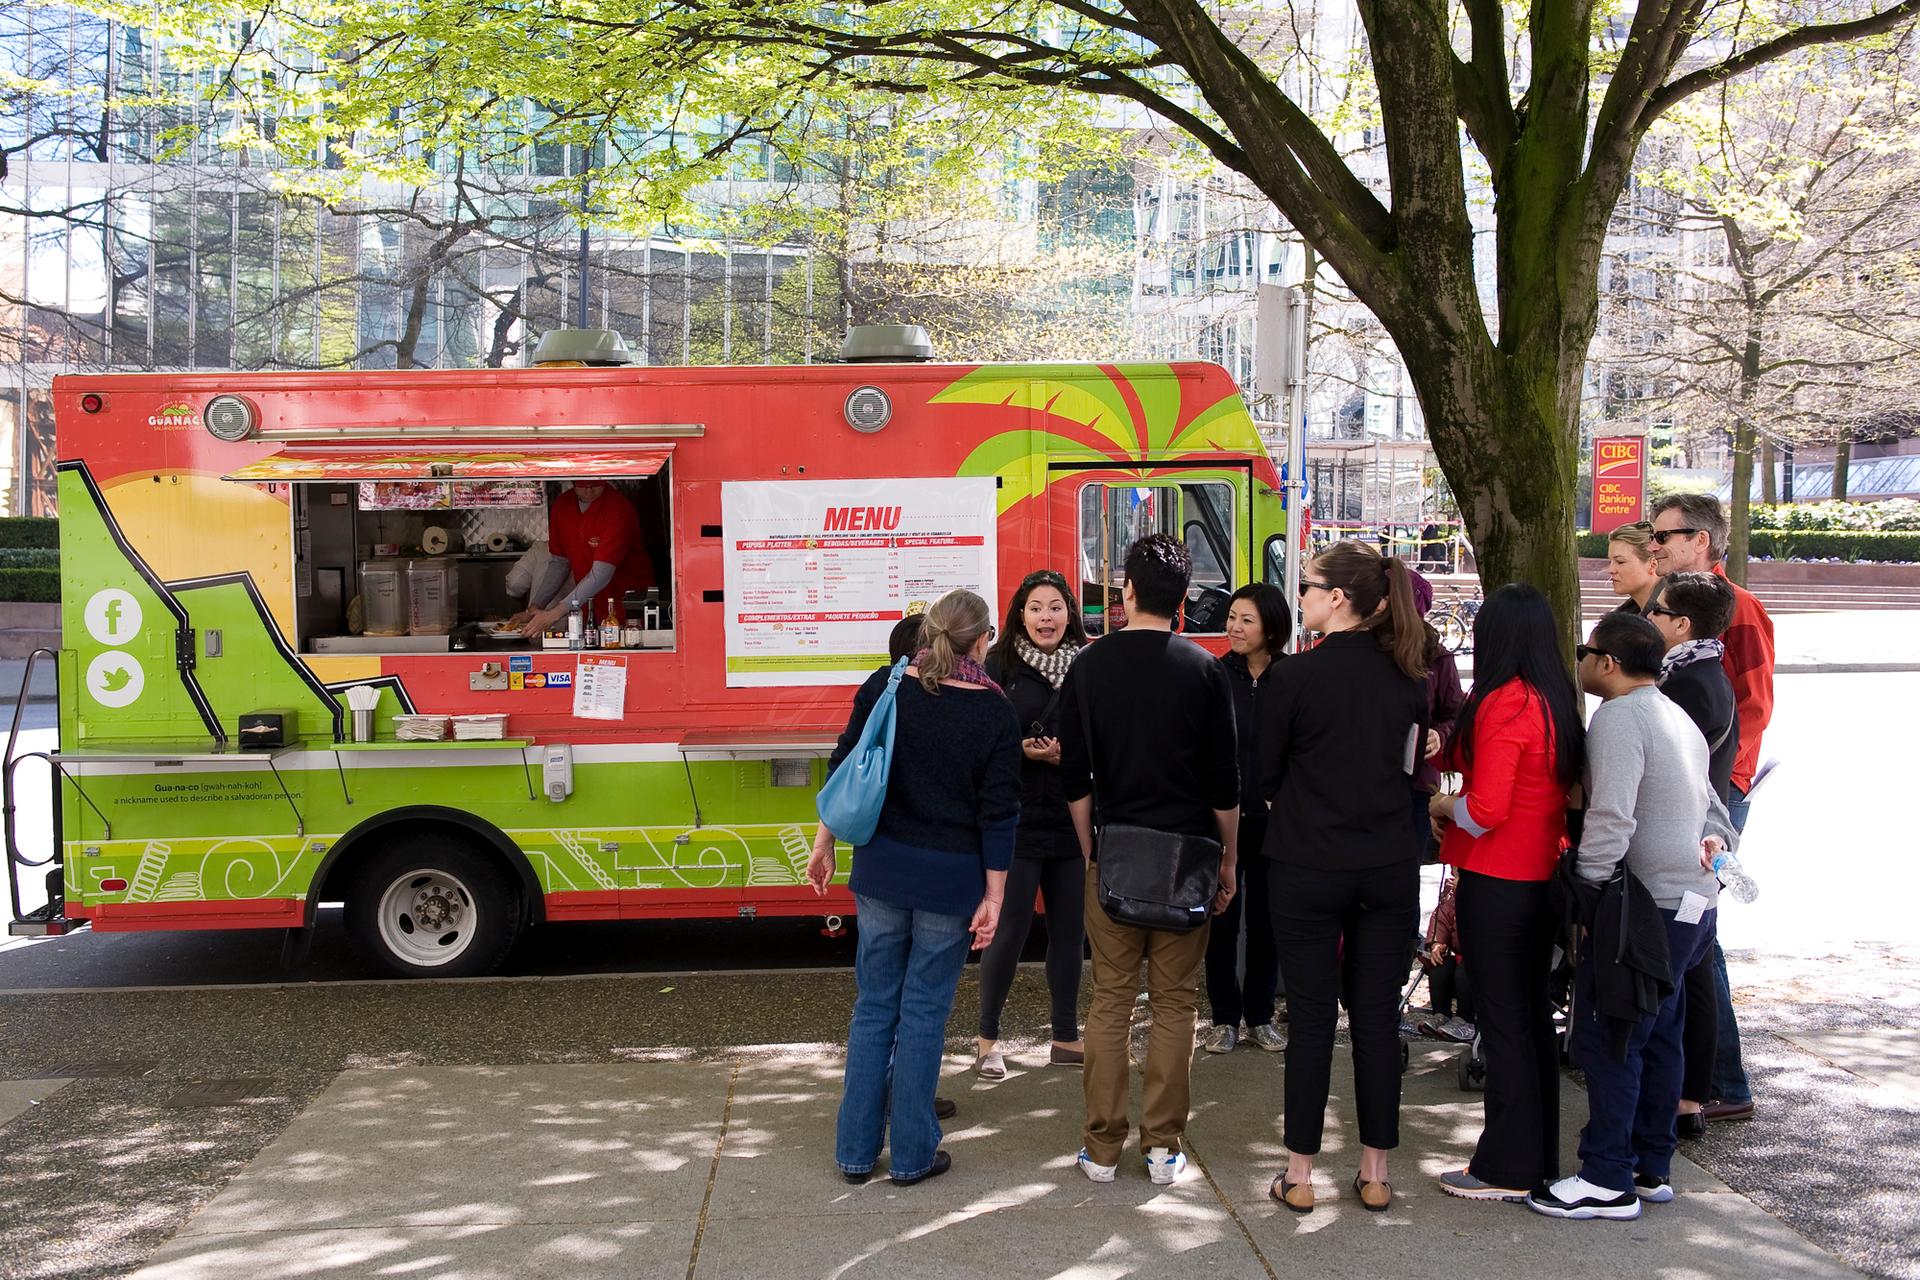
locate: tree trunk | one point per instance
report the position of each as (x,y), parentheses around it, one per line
(1769,473)
(1842,463)
(1739,514)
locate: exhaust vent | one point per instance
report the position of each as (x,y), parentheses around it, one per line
(886,343)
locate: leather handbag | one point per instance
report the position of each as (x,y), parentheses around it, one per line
(1152,879)
(850,802)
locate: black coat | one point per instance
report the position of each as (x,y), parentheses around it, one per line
(1046,828)
(1627,938)
(1702,690)
(1248,694)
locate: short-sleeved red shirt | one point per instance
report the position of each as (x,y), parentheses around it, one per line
(609,529)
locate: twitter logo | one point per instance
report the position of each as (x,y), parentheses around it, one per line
(114,679)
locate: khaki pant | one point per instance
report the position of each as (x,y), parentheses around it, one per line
(1173,963)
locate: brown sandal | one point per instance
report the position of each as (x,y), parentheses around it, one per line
(1297,1196)
(1374,1196)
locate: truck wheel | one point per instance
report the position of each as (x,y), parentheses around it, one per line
(434,907)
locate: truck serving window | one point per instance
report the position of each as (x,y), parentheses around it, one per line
(401,566)
(1113,516)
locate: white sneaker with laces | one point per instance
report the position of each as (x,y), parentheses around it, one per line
(1095,1172)
(1164,1166)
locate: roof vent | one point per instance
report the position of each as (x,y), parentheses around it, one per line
(596,348)
(886,343)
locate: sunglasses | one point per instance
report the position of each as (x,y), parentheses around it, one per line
(1307,584)
(1585,651)
(1662,535)
(1659,611)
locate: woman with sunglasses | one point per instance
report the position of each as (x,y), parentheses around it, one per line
(1030,661)
(1517,745)
(1631,570)
(1339,736)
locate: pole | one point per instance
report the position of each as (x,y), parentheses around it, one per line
(586,254)
(1280,370)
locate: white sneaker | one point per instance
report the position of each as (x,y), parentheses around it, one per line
(1163,1167)
(1097,1172)
(1575,1197)
(1220,1039)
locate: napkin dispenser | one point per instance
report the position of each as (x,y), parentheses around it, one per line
(265,729)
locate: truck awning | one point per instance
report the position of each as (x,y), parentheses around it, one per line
(547,462)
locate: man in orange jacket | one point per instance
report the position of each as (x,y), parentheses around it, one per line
(1690,536)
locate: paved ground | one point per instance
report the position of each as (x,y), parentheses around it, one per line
(626,1126)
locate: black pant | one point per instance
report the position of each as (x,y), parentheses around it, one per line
(1452,989)
(1375,911)
(1506,938)
(1700,1038)
(1254,1001)
(1063,883)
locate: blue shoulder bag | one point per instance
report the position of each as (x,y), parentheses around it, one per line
(851,801)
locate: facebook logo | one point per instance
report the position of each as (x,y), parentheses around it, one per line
(112,616)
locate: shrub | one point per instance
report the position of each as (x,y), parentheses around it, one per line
(1895,514)
(29,531)
(1896,547)
(30,586)
(29,557)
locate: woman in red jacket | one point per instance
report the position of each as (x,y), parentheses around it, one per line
(1517,745)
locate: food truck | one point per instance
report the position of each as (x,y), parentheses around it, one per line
(285,679)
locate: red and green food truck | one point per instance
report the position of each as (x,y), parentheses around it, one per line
(249,558)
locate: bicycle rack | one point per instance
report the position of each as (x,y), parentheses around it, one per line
(50,919)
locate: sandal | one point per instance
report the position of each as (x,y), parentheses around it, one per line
(1297,1196)
(991,1065)
(1374,1196)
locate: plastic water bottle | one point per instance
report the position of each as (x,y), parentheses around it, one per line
(1735,879)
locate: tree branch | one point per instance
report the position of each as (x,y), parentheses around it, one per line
(1769,50)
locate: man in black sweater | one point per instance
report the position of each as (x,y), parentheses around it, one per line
(1163,755)
(1693,612)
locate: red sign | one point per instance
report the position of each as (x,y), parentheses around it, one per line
(1619,481)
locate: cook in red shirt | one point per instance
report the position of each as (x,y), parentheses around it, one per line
(594,532)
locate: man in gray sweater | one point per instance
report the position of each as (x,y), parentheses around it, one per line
(1650,807)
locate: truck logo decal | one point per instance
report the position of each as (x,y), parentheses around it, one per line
(112,616)
(175,416)
(115,679)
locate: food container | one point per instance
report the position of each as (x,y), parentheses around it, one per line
(420,728)
(384,597)
(432,596)
(489,728)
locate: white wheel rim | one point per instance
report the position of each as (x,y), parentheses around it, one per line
(427,917)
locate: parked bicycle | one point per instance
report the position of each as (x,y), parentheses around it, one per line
(1453,619)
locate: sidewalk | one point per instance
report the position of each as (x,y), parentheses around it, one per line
(722,1168)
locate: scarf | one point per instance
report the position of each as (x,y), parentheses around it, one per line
(965,670)
(1053,666)
(1688,653)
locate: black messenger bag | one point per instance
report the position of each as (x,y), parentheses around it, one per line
(1152,879)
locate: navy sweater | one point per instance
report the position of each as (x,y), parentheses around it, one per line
(953,796)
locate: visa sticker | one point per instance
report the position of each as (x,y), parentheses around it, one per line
(536,681)
(560,680)
(520,662)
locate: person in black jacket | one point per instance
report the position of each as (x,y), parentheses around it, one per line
(1693,611)
(1259,624)
(1030,661)
(1339,737)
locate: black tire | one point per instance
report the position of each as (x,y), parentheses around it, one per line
(452,910)
(1471,1073)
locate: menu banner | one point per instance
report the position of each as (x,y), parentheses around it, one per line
(819,571)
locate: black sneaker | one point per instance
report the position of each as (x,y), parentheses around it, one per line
(1575,1197)
(941,1163)
(945,1108)
(1692,1124)
(1651,1189)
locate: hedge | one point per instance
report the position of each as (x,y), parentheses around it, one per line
(30,586)
(29,531)
(29,557)
(1804,544)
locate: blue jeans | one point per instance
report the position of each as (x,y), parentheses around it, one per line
(1729,1072)
(906,966)
(1631,1105)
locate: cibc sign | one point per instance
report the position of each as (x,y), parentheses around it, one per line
(1619,481)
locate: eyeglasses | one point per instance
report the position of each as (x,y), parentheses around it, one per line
(1307,584)
(1661,535)
(993,633)
(1640,524)
(1654,610)
(1585,651)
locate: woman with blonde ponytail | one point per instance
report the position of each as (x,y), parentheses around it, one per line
(1340,733)
(930,881)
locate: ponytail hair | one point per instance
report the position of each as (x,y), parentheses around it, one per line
(954,625)
(1380,589)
